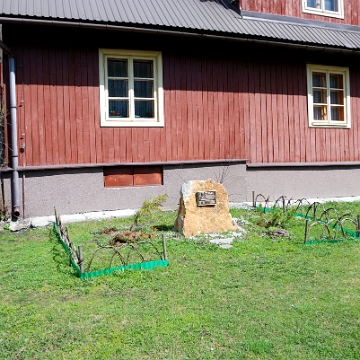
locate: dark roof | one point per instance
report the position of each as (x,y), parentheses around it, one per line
(193,16)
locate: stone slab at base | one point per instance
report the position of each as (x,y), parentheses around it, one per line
(193,219)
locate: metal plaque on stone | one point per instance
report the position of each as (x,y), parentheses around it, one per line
(206,198)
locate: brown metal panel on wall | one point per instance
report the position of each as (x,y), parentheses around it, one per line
(118,176)
(148,175)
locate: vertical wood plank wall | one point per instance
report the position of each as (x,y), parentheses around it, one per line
(215,108)
(294,8)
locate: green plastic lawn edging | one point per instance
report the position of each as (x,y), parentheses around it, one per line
(148,265)
(312,242)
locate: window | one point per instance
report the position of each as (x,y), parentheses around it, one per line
(334,8)
(131,91)
(118,176)
(328,96)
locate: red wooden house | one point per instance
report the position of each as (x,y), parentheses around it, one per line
(108,102)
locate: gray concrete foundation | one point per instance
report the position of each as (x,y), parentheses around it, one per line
(74,191)
(304,182)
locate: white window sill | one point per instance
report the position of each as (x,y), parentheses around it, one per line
(129,123)
(324,13)
(329,125)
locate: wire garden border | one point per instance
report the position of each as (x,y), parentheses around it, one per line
(77,260)
(329,220)
(332,224)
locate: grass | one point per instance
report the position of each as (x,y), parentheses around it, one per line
(265,298)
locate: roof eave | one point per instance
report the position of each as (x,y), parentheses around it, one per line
(146,29)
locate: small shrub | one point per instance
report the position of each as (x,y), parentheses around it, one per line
(276,217)
(148,211)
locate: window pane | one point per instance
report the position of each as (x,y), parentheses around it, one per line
(117,68)
(118,109)
(336,81)
(319,96)
(143,69)
(319,79)
(144,89)
(118,88)
(312,3)
(331,5)
(327,100)
(337,114)
(144,109)
(319,112)
(336,97)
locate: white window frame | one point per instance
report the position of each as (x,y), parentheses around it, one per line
(344,71)
(321,10)
(131,121)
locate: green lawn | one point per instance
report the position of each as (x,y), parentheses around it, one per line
(265,298)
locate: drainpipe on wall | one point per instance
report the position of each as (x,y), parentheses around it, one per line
(13,122)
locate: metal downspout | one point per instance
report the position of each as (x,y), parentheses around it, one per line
(13,122)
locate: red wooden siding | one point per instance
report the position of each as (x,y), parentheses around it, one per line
(294,8)
(215,108)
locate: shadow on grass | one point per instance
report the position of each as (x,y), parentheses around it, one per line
(163,227)
(59,255)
